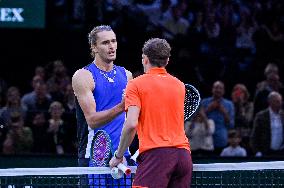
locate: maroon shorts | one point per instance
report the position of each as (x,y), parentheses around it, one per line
(164,167)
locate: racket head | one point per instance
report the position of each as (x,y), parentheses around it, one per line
(191,101)
(101,149)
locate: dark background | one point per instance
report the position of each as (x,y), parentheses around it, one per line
(65,37)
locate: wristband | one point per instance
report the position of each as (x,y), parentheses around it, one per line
(115,155)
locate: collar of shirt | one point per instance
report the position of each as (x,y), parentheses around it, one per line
(157,70)
(272,113)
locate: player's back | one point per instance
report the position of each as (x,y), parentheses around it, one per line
(161,122)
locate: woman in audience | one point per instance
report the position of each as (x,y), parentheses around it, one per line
(199,131)
(243,112)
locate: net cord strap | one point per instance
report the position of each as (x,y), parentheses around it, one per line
(274,165)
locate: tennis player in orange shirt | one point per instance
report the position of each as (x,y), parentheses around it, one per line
(154,103)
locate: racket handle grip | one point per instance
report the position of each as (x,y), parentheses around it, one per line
(124,169)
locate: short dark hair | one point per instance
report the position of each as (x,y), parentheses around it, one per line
(92,36)
(158,51)
(233,133)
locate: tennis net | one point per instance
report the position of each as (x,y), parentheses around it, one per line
(231,175)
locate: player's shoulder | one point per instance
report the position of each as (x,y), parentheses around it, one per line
(82,79)
(140,78)
(127,72)
(175,78)
(81,74)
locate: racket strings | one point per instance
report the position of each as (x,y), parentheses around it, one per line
(101,149)
(191,102)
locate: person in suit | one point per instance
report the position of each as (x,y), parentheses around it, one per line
(268,128)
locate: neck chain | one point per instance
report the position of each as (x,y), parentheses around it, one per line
(109,79)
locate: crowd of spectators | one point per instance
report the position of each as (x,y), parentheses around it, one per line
(231,50)
(43,120)
(228,39)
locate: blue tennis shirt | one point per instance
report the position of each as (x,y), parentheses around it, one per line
(108,92)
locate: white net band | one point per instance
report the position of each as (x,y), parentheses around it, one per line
(244,166)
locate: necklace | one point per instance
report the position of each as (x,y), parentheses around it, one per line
(109,79)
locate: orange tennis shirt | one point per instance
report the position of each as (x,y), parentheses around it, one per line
(160,97)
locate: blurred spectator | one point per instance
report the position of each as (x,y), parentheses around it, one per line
(155,12)
(174,24)
(40,71)
(274,32)
(58,80)
(245,32)
(28,98)
(70,112)
(243,113)
(271,83)
(19,139)
(199,131)
(226,40)
(59,139)
(78,11)
(38,100)
(274,38)
(212,26)
(234,149)
(13,104)
(198,24)
(222,112)
(268,132)
(69,101)
(245,45)
(243,107)
(39,128)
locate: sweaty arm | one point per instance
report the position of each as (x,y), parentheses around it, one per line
(83,86)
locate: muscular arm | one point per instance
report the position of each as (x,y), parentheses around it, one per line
(83,86)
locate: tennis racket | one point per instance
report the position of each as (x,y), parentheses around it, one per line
(101,154)
(101,149)
(191,101)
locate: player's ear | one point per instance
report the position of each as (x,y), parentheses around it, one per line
(147,61)
(94,48)
(167,61)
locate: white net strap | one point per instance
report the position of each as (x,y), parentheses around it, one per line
(57,171)
(274,165)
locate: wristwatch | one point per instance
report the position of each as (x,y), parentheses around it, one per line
(115,155)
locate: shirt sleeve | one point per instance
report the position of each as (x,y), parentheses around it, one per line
(132,97)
